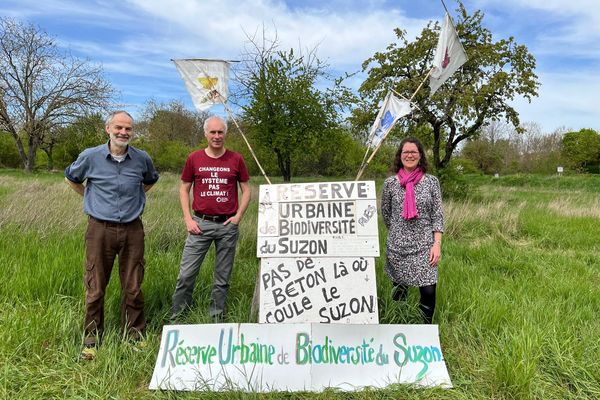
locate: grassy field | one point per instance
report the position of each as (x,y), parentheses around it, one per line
(518,299)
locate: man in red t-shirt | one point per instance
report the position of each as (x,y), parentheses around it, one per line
(214,173)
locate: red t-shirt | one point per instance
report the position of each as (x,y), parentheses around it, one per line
(215,181)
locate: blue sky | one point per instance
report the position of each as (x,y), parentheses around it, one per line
(135,40)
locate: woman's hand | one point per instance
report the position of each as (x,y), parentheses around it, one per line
(435,253)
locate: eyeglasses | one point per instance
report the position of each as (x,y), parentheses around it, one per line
(410,153)
(213,132)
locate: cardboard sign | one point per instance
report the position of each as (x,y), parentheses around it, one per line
(326,290)
(298,357)
(328,219)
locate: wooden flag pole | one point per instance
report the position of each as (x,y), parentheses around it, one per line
(255,300)
(255,306)
(244,137)
(373,153)
(364,165)
(452,23)
(371,133)
(222,100)
(444,4)
(421,85)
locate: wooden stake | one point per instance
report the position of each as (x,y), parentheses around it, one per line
(222,100)
(244,137)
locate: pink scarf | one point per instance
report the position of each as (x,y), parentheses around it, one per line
(408,180)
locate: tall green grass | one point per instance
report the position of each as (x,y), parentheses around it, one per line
(518,296)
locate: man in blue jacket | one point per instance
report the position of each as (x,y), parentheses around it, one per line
(116,177)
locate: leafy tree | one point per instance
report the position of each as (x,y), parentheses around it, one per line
(42,89)
(9,157)
(500,148)
(491,150)
(547,154)
(538,152)
(170,156)
(169,133)
(581,149)
(162,123)
(495,73)
(336,156)
(286,112)
(84,132)
(481,153)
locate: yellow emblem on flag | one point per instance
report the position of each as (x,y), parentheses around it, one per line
(205,80)
(208,83)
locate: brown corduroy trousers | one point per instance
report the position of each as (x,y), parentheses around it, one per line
(105,241)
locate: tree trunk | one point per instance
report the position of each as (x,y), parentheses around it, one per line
(20,149)
(279,162)
(288,169)
(30,161)
(48,151)
(284,166)
(436,145)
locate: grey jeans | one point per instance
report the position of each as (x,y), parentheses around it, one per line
(196,246)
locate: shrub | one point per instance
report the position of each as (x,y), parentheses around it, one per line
(454,183)
(9,156)
(167,155)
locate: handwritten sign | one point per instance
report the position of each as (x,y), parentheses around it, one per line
(328,219)
(326,290)
(298,357)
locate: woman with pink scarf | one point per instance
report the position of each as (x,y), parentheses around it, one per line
(411,206)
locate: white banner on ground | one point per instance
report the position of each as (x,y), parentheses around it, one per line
(326,290)
(298,357)
(327,219)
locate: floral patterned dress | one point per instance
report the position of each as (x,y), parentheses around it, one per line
(409,241)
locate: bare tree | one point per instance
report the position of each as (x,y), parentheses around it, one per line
(42,89)
(496,130)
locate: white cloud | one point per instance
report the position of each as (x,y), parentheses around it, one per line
(135,40)
(344,38)
(100,13)
(564,99)
(572,27)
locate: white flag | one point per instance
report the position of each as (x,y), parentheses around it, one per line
(393,109)
(207,81)
(449,56)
